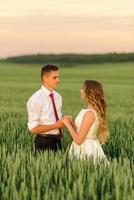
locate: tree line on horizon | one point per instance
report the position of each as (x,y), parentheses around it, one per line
(72,59)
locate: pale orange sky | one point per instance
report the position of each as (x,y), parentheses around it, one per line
(66,26)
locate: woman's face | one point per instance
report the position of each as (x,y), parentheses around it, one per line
(82,93)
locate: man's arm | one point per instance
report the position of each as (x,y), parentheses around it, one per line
(34,108)
(39,129)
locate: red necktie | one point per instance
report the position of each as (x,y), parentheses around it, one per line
(55,112)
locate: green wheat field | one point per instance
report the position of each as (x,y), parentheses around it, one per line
(49,176)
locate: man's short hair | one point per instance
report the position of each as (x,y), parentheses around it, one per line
(48,68)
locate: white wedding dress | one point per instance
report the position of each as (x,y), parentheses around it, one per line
(91,146)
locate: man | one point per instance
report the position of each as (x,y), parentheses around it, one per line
(44,111)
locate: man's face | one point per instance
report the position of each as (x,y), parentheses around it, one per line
(51,79)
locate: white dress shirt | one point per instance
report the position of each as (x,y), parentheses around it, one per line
(40,109)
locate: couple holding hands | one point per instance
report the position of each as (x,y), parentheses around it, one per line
(88,131)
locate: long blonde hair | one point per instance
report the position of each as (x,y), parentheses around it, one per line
(95,96)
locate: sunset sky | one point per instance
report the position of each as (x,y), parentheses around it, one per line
(66,26)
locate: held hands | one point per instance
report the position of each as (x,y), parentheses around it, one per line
(67,120)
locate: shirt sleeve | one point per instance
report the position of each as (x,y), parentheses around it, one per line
(33,109)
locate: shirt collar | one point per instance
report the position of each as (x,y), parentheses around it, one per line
(47,92)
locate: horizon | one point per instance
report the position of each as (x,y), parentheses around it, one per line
(63,26)
(58,54)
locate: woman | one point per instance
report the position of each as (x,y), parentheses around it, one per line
(90,128)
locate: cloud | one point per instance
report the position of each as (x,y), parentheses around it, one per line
(67,23)
(101,7)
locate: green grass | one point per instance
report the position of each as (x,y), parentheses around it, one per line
(25,175)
